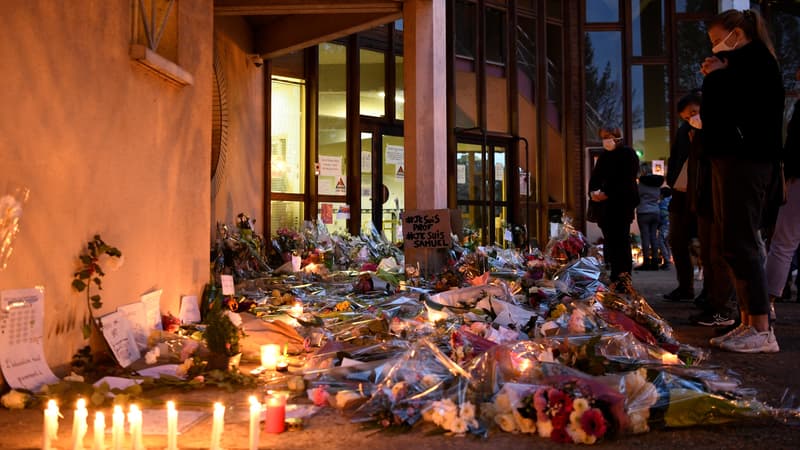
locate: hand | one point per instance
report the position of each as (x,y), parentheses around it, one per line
(711,64)
(599,196)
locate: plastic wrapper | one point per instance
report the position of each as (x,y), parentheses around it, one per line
(661,398)
(637,308)
(422,375)
(568,245)
(581,278)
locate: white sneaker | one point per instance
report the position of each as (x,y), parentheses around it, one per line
(752,341)
(717,341)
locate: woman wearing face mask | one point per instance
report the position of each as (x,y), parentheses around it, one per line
(613,185)
(742,119)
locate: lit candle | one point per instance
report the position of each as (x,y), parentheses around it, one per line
(217,426)
(99,431)
(255,418)
(670,358)
(117,428)
(524,365)
(172,426)
(275,418)
(269,356)
(50,425)
(297,309)
(135,425)
(79,425)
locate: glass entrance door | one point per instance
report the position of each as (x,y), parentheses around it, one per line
(382,180)
(482,188)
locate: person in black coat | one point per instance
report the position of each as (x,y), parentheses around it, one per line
(613,185)
(786,237)
(742,115)
(682,221)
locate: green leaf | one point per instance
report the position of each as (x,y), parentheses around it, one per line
(113,251)
(78,285)
(97,280)
(96,303)
(86,259)
(84,274)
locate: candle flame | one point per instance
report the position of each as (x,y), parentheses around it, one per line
(81,403)
(170,405)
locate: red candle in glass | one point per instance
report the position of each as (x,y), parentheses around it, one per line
(275,416)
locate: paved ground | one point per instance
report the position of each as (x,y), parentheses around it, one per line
(771,375)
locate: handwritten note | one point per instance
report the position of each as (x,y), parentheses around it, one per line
(227,285)
(137,319)
(190,309)
(427,228)
(21,352)
(119,335)
(152,309)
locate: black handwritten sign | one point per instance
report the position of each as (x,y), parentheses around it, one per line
(427,228)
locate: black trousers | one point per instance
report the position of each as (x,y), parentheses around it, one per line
(741,191)
(717,278)
(617,245)
(682,226)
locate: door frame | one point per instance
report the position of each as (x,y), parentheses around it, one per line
(378,130)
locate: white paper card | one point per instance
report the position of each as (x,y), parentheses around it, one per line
(461,174)
(394,155)
(296,263)
(227,285)
(137,318)
(330,166)
(499,172)
(119,336)
(523,183)
(508,236)
(21,353)
(325,186)
(190,310)
(152,308)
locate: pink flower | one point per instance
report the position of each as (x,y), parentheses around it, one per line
(593,423)
(540,401)
(319,395)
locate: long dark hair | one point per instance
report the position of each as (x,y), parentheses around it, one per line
(751,22)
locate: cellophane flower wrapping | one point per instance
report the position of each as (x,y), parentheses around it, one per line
(422,375)
(568,245)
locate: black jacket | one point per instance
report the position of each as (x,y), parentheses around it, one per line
(791,154)
(678,153)
(742,109)
(615,174)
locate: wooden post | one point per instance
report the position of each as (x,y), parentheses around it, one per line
(425,124)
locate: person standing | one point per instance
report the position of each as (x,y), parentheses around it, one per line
(786,237)
(682,223)
(648,216)
(742,116)
(613,186)
(717,283)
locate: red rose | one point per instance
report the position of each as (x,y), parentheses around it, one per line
(593,423)
(560,420)
(560,435)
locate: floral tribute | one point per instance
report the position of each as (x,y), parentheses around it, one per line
(565,417)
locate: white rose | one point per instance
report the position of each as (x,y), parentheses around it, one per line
(74,377)
(14,399)
(151,357)
(503,402)
(467,411)
(459,426)
(580,405)
(506,422)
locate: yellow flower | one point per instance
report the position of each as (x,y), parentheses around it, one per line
(580,405)
(506,422)
(14,400)
(558,311)
(343,306)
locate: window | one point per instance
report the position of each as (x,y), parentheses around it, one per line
(602,11)
(332,122)
(694,47)
(288,153)
(603,57)
(650,110)
(648,27)
(696,6)
(373,83)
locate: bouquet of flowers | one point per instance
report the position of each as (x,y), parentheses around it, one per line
(288,242)
(568,245)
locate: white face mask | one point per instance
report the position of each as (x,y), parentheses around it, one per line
(723,46)
(609,144)
(696,122)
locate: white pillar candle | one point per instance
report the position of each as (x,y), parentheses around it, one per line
(50,425)
(135,424)
(217,425)
(99,431)
(117,428)
(270,354)
(172,426)
(255,419)
(79,424)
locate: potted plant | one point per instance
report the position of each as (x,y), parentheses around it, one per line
(222,338)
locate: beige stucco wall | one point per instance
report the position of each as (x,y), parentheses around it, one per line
(105,146)
(242,188)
